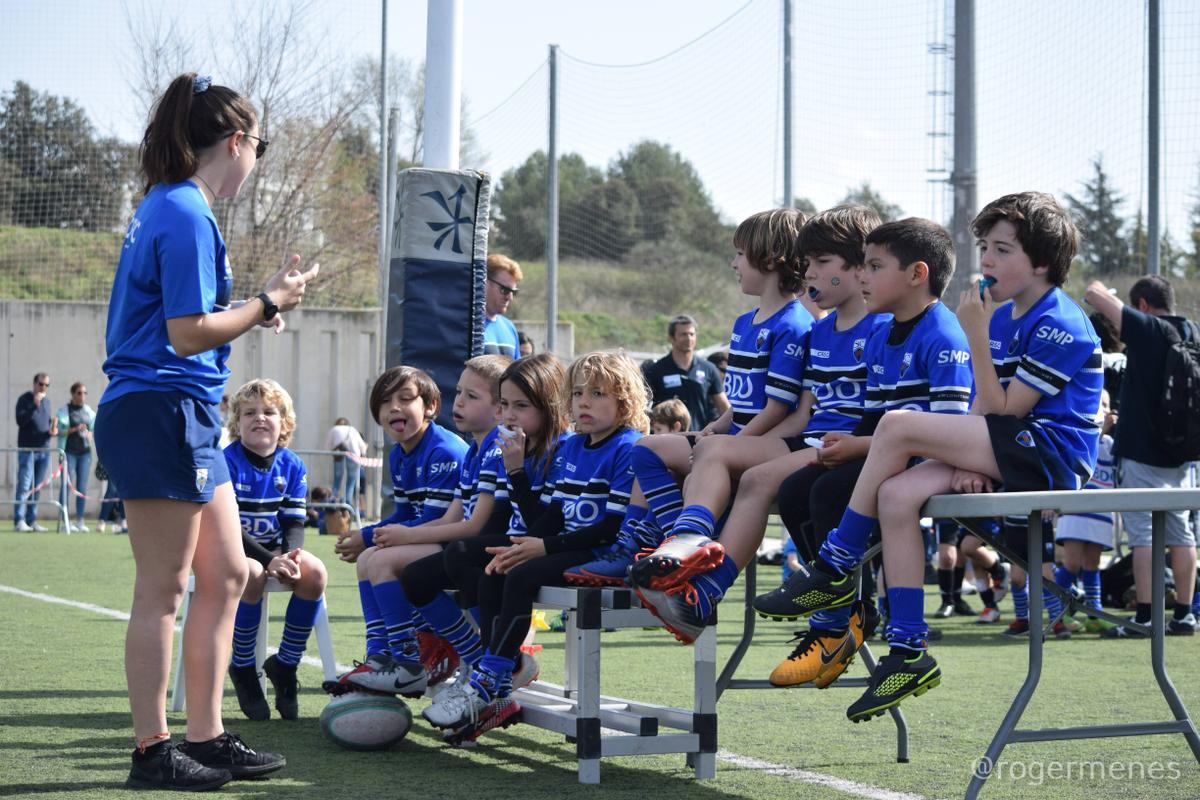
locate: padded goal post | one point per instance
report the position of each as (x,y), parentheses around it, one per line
(437,274)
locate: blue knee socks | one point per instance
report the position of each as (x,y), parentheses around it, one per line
(377,641)
(298,623)
(245,633)
(452,625)
(658,485)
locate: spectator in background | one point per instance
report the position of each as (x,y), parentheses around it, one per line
(525,344)
(345,438)
(720,360)
(680,374)
(670,416)
(500,335)
(1114,357)
(1143,462)
(75,421)
(224,408)
(35,426)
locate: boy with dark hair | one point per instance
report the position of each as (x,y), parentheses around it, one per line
(917,361)
(1032,427)
(1146,326)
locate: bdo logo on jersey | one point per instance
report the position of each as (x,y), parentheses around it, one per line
(738,387)
(585,512)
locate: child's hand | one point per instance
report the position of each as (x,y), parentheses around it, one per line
(390,536)
(513,448)
(284,568)
(974,309)
(350,546)
(967,482)
(838,448)
(522,549)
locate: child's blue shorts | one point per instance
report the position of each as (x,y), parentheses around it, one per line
(161,445)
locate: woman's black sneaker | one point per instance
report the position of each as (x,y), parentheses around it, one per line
(249,693)
(287,688)
(229,752)
(165,766)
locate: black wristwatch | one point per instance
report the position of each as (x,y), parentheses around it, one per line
(269,308)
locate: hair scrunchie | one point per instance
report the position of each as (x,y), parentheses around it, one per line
(201,83)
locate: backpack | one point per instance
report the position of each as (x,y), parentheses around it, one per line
(1178,420)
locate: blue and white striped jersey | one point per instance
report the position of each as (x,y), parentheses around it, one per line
(538,473)
(593,480)
(266,497)
(1053,348)
(482,472)
(424,482)
(836,372)
(766,361)
(929,371)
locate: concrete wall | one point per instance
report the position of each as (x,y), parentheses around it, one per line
(325,359)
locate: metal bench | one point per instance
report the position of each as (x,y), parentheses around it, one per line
(603,726)
(968,507)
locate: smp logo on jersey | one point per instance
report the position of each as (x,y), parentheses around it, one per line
(860,347)
(905,364)
(763,335)
(442,468)
(1059,337)
(794,350)
(280,483)
(1025,439)
(954,357)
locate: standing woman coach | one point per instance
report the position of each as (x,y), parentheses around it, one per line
(170,322)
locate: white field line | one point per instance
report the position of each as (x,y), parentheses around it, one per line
(848,787)
(112,612)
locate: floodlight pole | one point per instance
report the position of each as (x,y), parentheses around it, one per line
(1154,118)
(552,206)
(789,197)
(964,178)
(443,84)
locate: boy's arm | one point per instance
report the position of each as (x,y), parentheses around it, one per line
(527,500)
(1098,297)
(795,423)
(771,415)
(721,424)
(720,402)
(444,530)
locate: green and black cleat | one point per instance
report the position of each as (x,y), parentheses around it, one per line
(895,678)
(809,589)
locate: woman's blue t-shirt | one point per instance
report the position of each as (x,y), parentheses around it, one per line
(173,264)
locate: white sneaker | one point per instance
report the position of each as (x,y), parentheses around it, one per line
(397,677)
(456,706)
(81,527)
(102,527)
(1005,586)
(23,527)
(39,527)
(527,671)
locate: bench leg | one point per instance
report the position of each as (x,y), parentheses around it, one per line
(179,684)
(325,641)
(1034,672)
(587,672)
(704,721)
(1158,625)
(897,713)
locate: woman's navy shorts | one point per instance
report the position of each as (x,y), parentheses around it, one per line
(161,445)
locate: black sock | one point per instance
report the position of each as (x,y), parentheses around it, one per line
(988,597)
(956,586)
(152,749)
(946,584)
(997,570)
(1182,610)
(1142,614)
(825,566)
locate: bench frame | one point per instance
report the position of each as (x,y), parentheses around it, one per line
(966,507)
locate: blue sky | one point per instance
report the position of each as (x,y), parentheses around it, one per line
(1059,83)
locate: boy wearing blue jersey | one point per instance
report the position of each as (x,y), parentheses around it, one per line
(592,481)
(766,355)
(1038,373)
(271,484)
(834,380)
(425,464)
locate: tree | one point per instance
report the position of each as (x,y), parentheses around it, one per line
(1194,234)
(865,195)
(57,172)
(804,206)
(1103,247)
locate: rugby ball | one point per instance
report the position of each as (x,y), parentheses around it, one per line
(366,721)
